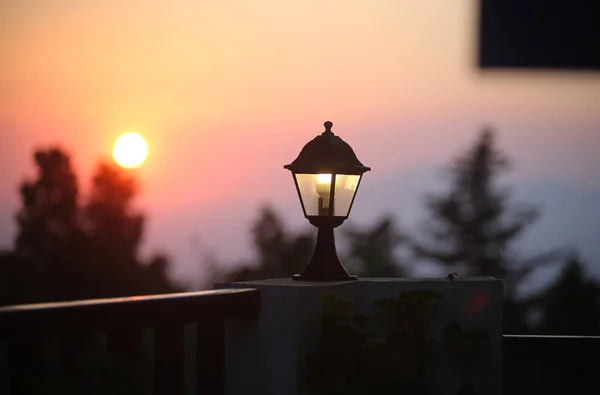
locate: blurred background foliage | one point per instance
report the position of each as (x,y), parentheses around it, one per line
(71,246)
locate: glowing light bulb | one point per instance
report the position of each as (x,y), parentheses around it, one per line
(324,185)
(324,178)
(323,190)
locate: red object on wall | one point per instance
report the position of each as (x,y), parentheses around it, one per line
(477,302)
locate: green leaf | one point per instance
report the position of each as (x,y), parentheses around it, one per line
(425,294)
(384,303)
(338,306)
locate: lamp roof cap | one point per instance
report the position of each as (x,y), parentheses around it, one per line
(327,153)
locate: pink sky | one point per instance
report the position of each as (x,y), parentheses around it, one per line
(227,92)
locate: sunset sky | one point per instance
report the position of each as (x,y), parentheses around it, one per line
(227,92)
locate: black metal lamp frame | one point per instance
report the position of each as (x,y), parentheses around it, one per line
(325,264)
(326,154)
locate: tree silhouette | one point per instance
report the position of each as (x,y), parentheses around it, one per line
(279,253)
(372,251)
(115,231)
(66,249)
(48,228)
(49,216)
(473,225)
(571,305)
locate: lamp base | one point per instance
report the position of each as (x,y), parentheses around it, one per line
(302,277)
(325,264)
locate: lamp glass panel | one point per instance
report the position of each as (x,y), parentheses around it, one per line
(315,193)
(345,189)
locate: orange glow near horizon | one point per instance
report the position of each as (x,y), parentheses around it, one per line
(130,150)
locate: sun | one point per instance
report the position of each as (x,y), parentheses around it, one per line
(130,150)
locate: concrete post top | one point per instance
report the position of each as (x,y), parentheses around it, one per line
(288,282)
(271,354)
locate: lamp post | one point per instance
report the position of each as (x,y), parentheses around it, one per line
(327,175)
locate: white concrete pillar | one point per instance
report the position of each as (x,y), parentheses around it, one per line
(267,355)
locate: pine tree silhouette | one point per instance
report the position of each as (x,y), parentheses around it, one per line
(67,249)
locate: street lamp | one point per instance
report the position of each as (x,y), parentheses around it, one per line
(327,175)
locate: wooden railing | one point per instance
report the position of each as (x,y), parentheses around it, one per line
(551,365)
(51,337)
(181,337)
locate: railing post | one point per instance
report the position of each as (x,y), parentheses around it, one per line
(23,359)
(269,354)
(210,352)
(169,359)
(71,345)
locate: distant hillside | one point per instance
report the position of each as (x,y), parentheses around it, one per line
(570,216)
